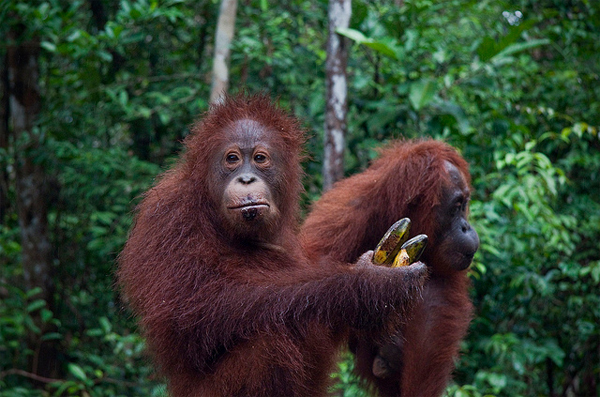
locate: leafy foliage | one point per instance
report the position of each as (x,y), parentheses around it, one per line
(512,84)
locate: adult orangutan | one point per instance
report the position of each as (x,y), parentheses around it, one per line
(428,182)
(215,273)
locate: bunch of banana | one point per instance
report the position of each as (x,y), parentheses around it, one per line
(394,250)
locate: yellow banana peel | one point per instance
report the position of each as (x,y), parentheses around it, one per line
(411,251)
(392,241)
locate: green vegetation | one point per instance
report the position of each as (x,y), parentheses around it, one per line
(513,84)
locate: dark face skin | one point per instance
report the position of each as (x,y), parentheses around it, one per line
(247,180)
(457,241)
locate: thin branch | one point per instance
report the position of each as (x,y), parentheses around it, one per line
(16,371)
(43,379)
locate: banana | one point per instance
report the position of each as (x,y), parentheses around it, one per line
(390,244)
(411,251)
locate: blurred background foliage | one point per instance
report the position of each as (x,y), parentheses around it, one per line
(512,84)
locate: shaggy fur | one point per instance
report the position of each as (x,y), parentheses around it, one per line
(408,180)
(225,317)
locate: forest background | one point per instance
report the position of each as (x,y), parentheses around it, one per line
(514,85)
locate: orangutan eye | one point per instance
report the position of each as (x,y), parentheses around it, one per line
(232,158)
(260,158)
(456,208)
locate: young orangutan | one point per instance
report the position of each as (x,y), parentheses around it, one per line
(213,268)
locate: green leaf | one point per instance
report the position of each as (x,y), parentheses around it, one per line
(164,117)
(36,305)
(77,371)
(105,56)
(556,354)
(28,321)
(63,387)
(94,332)
(595,271)
(422,92)
(125,7)
(52,336)
(33,292)
(451,108)
(145,112)
(123,97)
(74,36)
(51,47)
(497,380)
(353,34)
(105,324)
(46,315)
(518,47)
(360,38)
(486,49)
(382,48)
(489,48)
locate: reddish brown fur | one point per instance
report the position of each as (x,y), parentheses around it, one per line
(223,318)
(406,181)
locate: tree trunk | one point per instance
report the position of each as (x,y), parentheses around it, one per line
(206,16)
(98,14)
(4,114)
(223,37)
(23,76)
(337,90)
